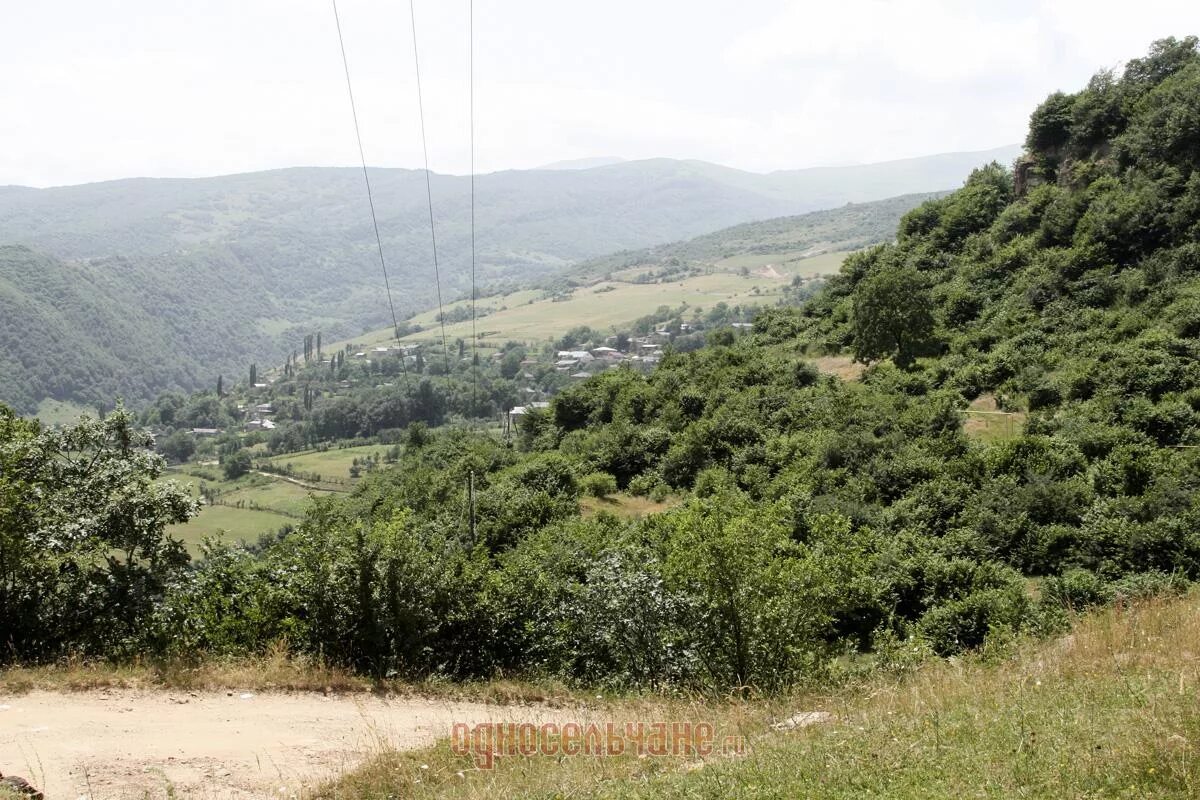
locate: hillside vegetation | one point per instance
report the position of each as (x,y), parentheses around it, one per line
(837,230)
(744,266)
(189,278)
(96,331)
(814,521)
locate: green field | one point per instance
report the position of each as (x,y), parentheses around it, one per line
(331,465)
(60,412)
(529,316)
(266,504)
(237,525)
(276,495)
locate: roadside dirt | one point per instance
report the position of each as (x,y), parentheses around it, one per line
(151,744)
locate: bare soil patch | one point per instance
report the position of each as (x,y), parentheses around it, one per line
(123,743)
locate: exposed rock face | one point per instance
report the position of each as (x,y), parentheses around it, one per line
(1025,175)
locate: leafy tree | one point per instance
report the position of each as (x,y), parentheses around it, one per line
(893,316)
(84,553)
(237,464)
(178,447)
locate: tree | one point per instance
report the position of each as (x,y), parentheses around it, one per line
(253,374)
(220,386)
(178,447)
(237,465)
(893,316)
(84,551)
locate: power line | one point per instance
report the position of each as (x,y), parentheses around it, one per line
(367,180)
(429,189)
(471,81)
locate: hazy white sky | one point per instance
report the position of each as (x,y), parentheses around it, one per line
(98,89)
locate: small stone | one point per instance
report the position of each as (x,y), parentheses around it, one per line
(802,719)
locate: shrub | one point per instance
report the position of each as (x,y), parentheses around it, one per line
(641,485)
(965,624)
(1077,589)
(598,484)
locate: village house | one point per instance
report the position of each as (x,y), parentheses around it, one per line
(582,356)
(607,353)
(516,412)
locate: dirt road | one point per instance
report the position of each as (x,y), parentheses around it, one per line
(129,744)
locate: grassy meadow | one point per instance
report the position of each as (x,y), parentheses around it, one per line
(61,412)
(245,509)
(530,316)
(332,465)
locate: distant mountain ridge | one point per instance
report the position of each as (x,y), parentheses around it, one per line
(836,230)
(258,257)
(583,163)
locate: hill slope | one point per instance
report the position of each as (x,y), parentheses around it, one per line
(836,230)
(747,265)
(1074,283)
(242,261)
(93,332)
(1102,712)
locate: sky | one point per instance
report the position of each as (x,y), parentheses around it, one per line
(103,89)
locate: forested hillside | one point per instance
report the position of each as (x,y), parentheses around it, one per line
(1071,288)
(189,279)
(796,520)
(96,331)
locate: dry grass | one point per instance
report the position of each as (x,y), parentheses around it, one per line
(439,772)
(1110,711)
(843,367)
(626,505)
(986,422)
(274,671)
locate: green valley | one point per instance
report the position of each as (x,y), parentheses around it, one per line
(132,288)
(901,496)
